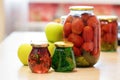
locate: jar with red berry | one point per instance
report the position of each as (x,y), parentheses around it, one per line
(39,60)
(109,27)
(82,28)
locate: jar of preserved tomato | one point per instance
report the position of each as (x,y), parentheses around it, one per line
(63,59)
(109,27)
(39,59)
(82,28)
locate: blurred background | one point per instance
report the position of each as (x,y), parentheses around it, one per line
(32,15)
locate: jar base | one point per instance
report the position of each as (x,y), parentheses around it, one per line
(39,72)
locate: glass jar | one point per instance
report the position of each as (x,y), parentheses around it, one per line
(39,59)
(63,59)
(63,19)
(82,28)
(109,27)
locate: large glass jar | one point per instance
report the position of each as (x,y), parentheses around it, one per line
(109,27)
(82,28)
(39,60)
(63,59)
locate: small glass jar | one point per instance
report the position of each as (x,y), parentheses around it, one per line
(39,59)
(63,59)
(63,19)
(109,27)
(82,28)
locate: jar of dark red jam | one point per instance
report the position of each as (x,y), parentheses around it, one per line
(39,60)
(109,27)
(63,59)
(82,28)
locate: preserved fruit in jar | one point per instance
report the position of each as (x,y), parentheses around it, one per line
(82,28)
(39,59)
(63,59)
(109,27)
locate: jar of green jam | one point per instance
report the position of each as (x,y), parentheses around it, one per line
(109,27)
(63,59)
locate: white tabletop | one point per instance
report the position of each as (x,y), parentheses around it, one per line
(107,68)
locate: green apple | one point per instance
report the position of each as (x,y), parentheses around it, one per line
(23,53)
(51,48)
(54,31)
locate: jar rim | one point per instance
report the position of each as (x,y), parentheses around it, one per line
(63,44)
(84,8)
(39,44)
(107,17)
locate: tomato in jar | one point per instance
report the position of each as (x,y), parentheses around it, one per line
(109,32)
(84,33)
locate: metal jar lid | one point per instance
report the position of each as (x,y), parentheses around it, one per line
(84,8)
(108,18)
(63,44)
(40,44)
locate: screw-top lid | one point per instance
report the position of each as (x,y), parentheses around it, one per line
(84,8)
(109,18)
(39,44)
(63,44)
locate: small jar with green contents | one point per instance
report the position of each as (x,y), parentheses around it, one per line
(109,27)
(63,59)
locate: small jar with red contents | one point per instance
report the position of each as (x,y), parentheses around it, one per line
(82,28)
(39,59)
(109,27)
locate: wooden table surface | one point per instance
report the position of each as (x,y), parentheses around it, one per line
(107,68)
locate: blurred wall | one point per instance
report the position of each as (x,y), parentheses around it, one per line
(2,20)
(16,15)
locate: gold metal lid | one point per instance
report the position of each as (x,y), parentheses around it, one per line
(40,44)
(63,44)
(84,8)
(109,18)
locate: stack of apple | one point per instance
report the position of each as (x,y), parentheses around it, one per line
(53,31)
(83,31)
